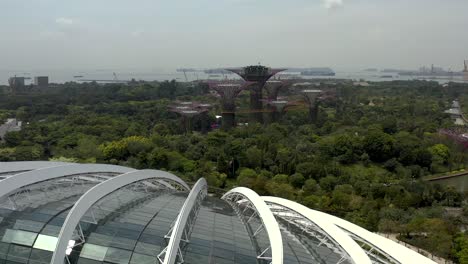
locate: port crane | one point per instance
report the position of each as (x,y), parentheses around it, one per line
(185,75)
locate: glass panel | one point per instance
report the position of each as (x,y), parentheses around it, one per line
(92,251)
(219,236)
(143,259)
(4,250)
(119,256)
(28,225)
(40,257)
(88,261)
(51,230)
(46,242)
(123,243)
(19,237)
(19,254)
(99,239)
(147,249)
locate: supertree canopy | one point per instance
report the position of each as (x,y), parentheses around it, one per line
(188,110)
(259,75)
(228,93)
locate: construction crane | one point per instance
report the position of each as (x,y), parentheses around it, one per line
(185,75)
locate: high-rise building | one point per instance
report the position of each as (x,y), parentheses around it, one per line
(16,83)
(93,213)
(41,81)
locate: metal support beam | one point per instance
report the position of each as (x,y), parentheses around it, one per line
(183,225)
(94,195)
(250,199)
(20,180)
(335,227)
(22,166)
(325,233)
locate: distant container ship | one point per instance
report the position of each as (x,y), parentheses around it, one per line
(217,71)
(318,72)
(431,71)
(421,73)
(186,70)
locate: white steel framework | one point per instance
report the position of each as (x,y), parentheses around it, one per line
(17,185)
(92,196)
(51,190)
(21,166)
(378,248)
(33,184)
(182,227)
(328,234)
(248,205)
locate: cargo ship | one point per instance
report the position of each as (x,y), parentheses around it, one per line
(318,72)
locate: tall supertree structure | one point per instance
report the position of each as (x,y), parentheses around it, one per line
(273,87)
(258,75)
(204,118)
(275,106)
(188,110)
(228,93)
(310,96)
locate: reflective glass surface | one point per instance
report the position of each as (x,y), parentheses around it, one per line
(218,236)
(301,247)
(128,226)
(31,218)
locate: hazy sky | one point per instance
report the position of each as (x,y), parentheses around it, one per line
(154,34)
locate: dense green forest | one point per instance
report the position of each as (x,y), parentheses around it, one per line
(363,160)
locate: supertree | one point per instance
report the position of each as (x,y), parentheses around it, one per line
(275,106)
(258,75)
(188,110)
(310,96)
(228,93)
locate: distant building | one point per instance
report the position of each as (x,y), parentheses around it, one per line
(456,113)
(363,84)
(16,82)
(10,125)
(431,70)
(41,81)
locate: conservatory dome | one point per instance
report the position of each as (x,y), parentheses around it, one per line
(52,212)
